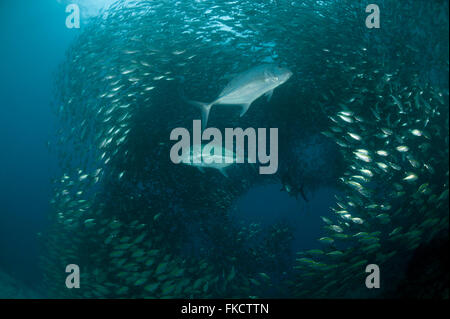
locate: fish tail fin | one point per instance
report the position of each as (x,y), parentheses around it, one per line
(302,192)
(205,108)
(244,109)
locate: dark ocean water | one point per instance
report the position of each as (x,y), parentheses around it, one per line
(85,175)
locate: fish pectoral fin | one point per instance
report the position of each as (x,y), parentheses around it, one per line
(244,109)
(269,95)
(201,169)
(224,173)
(229,76)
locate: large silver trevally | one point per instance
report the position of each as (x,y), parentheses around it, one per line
(247,87)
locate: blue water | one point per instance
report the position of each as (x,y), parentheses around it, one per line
(267,205)
(33,41)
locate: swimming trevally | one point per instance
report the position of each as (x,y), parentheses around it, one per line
(220,159)
(246,87)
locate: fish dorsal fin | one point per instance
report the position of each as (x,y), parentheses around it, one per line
(244,109)
(269,95)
